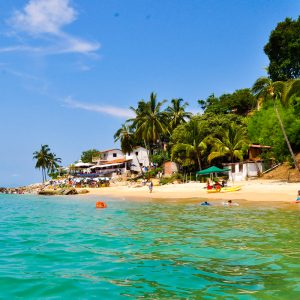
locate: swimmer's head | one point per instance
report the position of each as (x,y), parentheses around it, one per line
(229,201)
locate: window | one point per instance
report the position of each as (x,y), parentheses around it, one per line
(114,154)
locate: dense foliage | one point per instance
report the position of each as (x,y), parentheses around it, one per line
(87,156)
(263,128)
(240,102)
(268,113)
(283,50)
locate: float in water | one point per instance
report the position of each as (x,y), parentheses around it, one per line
(101,204)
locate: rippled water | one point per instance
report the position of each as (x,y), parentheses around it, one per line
(64,247)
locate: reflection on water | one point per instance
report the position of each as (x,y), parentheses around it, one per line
(65,247)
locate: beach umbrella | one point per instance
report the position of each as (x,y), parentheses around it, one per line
(211,170)
(83,165)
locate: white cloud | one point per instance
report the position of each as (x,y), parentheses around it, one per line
(44,16)
(73,44)
(108,110)
(45,19)
(20,48)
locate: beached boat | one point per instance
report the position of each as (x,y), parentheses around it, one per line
(226,189)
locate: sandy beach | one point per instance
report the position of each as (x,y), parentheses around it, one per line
(256,190)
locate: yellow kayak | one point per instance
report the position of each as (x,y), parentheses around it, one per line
(225,190)
(231,189)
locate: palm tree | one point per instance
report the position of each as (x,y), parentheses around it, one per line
(150,123)
(267,89)
(176,113)
(196,145)
(53,163)
(231,143)
(128,142)
(42,159)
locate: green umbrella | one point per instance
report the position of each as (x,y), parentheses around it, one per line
(212,169)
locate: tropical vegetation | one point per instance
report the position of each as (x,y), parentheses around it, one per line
(267,113)
(47,161)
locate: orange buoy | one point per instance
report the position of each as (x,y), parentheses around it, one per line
(101,204)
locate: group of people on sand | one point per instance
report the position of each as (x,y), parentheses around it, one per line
(215,185)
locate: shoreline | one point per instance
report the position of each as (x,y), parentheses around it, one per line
(254,191)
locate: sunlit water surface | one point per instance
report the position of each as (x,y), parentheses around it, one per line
(65,248)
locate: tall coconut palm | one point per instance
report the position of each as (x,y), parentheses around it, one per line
(231,143)
(176,113)
(42,159)
(150,122)
(127,140)
(53,163)
(267,89)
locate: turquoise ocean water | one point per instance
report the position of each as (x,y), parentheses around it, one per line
(65,248)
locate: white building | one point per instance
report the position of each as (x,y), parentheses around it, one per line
(113,161)
(112,154)
(253,167)
(139,158)
(243,170)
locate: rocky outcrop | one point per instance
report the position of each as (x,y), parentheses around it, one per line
(66,191)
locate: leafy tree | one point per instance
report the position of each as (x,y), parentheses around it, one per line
(283,50)
(240,102)
(181,156)
(231,142)
(264,128)
(212,105)
(279,90)
(190,145)
(176,113)
(127,139)
(87,156)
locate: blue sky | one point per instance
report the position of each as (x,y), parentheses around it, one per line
(69,70)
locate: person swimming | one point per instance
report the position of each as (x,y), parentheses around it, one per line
(230,203)
(205,203)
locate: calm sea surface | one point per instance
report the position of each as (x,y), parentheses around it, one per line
(65,248)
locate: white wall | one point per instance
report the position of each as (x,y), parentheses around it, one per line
(142,156)
(109,155)
(249,169)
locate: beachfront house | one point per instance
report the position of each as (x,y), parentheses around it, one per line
(139,159)
(253,166)
(113,162)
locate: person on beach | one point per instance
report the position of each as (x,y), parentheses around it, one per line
(298,197)
(209,185)
(150,186)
